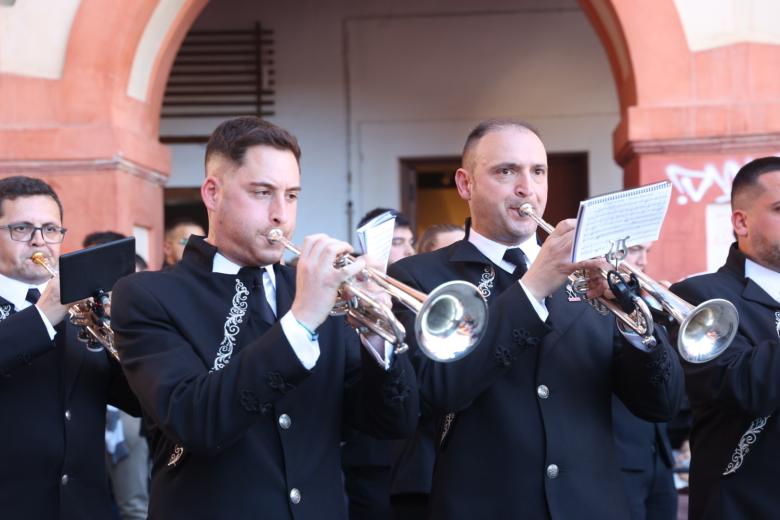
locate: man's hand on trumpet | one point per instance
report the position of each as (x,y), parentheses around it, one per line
(553,264)
(317,279)
(381,296)
(594,270)
(49,302)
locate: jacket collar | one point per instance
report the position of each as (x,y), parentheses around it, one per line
(735,264)
(200,254)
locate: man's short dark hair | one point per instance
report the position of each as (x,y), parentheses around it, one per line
(431,232)
(492,125)
(234,137)
(185,221)
(101,237)
(12,188)
(747,176)
(400,218)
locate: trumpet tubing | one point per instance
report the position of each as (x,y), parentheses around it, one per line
(704,331)
(449,322)
(89,315)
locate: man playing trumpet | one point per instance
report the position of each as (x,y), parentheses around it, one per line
(526,418)
(53,391)
(244,378)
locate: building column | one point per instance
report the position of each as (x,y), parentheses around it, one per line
(698,99)
(80,108)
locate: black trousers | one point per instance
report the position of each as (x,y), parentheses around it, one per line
(368,492)
(651,494)
(410,506)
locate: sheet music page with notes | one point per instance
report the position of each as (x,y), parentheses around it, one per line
(376,236)
(635,215)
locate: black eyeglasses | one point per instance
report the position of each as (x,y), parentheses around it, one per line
(24,231)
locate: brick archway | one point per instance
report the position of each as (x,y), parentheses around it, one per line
(693,110)
(89,124)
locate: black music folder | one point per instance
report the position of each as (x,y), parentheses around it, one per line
(86,272)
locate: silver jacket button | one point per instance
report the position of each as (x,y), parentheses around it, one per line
(552,471)
(285,422)
(542,391)
(295,496)
(64,479)
(67,415)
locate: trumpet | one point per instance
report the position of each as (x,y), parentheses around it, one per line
(704,331)
(90,315)
(449,322)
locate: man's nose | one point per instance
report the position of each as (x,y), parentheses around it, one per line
(37,237)
(279,212)
(523,184)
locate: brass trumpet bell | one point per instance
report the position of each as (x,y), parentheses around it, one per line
(449,321)
(704,332)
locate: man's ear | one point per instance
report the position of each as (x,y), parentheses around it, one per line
(739,221)
(210,192)
(463,182)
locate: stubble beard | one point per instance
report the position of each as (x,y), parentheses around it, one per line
(768,253)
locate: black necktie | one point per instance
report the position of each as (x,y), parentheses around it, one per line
(515,255)
(33,295)
(254,277)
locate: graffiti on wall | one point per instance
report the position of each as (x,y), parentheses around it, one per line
(691,185)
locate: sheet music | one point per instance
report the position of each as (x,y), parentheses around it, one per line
(376,236)
(635,215)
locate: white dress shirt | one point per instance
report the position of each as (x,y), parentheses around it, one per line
(495,253)
(765,278)
(15,292)
(306,347)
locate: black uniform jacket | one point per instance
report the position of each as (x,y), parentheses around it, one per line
(240,429)
(53,397)
(532,434)
(734,400)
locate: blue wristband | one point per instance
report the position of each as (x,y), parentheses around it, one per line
(313,336)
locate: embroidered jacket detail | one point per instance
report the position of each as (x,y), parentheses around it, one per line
(277,382)
(504,356)
(5,311)
(743,446)
(250,402)
(777,323)
(395,391)
(446,426)
(524,339)
(486,281)
(661,366)
(178,451)
(232,326)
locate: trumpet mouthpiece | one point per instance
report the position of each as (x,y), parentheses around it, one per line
(527,209)
(38,258)
(275,235)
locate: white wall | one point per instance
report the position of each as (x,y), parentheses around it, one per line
(363,83)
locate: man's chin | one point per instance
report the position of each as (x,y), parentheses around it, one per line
(270,257)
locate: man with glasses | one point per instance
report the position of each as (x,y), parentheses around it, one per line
(53,391)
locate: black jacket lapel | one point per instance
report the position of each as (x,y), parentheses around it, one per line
(735,265)
(6,308)
(756,294)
